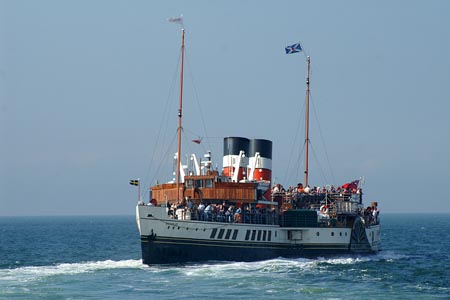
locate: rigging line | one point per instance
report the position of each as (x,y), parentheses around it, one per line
(162,162)
(321,171)
(196,95)
(300,127)
(160,130)
(323,141)
(296,167)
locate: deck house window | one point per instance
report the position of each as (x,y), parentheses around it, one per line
(189,183)
(221,231)
(209,183)
(199,183)
(235,233)
(227,235)
(253,235)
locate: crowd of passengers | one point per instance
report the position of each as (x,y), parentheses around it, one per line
(296,197)
(300,190)
(223,212)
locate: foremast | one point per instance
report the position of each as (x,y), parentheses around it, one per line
(180,113)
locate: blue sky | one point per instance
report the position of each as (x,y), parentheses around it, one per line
(84,86)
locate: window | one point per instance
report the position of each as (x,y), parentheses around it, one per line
(213,233)
(247,235)
(199,183)
(264,235)
(235,233)
(227,236)
(189,183)
(317,233)
(253,235)
(259,235)
(332,233)
(209,183)
(221,231)
(269,237)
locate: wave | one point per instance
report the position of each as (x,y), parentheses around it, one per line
(213,269)
(283,265)
(33,273)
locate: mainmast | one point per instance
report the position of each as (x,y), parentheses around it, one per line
(180,110)
(308,59)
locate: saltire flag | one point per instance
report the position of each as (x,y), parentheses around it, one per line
(293,48)
(134,182)
(177,20)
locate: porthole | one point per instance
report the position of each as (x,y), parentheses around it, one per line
(332,233)
(340,233)
(317,233)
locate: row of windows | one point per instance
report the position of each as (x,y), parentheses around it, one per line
(258,235)
(222,232)
(199,183)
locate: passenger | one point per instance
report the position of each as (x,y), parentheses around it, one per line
(201,211)
(229,214)
(194,212)
(208,212)
(238,216)
(173,208)
(333,189)
(307,189)
(278,188)
(300,188)
(359,193)
(190,203)
(375,213)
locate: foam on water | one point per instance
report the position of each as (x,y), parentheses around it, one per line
(283,265)
(33,273)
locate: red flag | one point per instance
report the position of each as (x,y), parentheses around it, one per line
(197,141)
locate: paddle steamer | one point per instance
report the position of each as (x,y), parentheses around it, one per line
(238,215)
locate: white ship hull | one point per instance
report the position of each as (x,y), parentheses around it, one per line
(167,240)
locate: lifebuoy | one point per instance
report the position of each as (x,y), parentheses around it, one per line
(324,209)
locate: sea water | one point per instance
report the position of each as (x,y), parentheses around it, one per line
(99,258)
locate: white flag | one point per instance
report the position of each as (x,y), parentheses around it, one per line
(178,20)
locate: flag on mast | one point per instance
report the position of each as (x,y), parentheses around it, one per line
(134,182)
(293,48)
(177,20)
